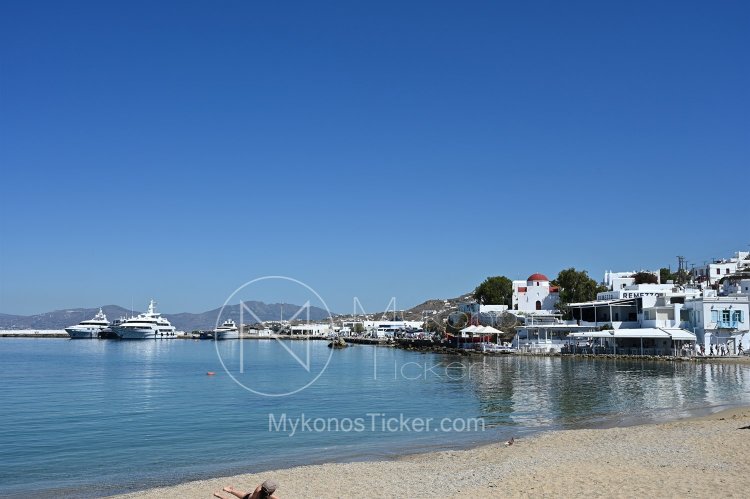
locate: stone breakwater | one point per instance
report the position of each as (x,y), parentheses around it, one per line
(33,333)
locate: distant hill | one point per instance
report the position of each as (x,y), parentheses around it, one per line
(186,321)
(60,319)
(435,308)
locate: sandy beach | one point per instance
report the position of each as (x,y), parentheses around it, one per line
(697,457)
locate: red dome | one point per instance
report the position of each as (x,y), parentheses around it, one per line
(537,277)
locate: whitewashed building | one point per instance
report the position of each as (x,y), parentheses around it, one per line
(738,286)
(712,272)
(479,314)
(618,280)
(535,293)
(719,320)
(649,293)
(312,329)
(636,306)
(385,328)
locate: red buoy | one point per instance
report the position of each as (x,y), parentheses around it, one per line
(210,373)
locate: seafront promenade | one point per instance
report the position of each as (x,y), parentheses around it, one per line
(699,457)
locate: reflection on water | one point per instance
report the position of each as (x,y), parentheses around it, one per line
(575,393)
(83,418)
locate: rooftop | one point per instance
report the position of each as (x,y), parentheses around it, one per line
(537,277)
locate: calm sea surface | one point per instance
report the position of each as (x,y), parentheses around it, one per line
(94,417)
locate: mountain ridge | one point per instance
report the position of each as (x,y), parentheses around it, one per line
(186,321)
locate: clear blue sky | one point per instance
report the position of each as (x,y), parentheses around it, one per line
(369,149)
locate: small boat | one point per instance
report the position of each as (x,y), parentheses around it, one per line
(227,331)
(90,328)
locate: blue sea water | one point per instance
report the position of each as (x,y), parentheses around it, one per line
(89,418)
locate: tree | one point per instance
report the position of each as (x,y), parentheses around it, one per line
(576,286)
(645,278)
(496,290)
(666,274)
(433,326)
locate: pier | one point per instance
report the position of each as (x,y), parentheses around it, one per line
(368,341)
(32,333)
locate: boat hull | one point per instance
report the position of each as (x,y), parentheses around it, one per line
(82,334)
(227,335)
(137,333)
(133,333)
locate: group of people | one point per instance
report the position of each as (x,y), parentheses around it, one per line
(721,350)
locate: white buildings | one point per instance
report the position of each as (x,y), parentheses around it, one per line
(256,330)
(545,333)
(620,280)
(719,320)
(738,286)
(616,313)
(711,273)
(535,293)
(649,293)
(312,329)
(634,306)
(478,314)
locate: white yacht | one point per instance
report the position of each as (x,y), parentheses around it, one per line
(227,331)
(150,325)
(90,328)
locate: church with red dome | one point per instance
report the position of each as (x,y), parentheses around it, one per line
(535,293)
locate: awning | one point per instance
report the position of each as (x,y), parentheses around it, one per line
(641,333)
(680,334)
(674,334)
(603,303)
(487,330)
(592,334)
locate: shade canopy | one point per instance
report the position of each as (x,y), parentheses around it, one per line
(655,333)
(469,330)
(645,332)
(592,334)
(487,330)
(680,334)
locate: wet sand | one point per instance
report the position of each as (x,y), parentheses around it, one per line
(698,457)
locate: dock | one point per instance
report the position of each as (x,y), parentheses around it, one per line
(33,333)
(368,341)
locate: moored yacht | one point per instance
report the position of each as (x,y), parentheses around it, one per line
(150,325)
(89,328)
(227,331)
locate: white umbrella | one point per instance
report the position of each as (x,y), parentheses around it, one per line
(470,329)
(489,330)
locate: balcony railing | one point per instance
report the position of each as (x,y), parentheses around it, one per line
(727,324)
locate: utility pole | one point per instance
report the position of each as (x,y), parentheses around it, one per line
(692,273)
(681,270)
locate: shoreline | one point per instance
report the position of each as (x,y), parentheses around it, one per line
(439,350)
(410,346)
(699,456)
